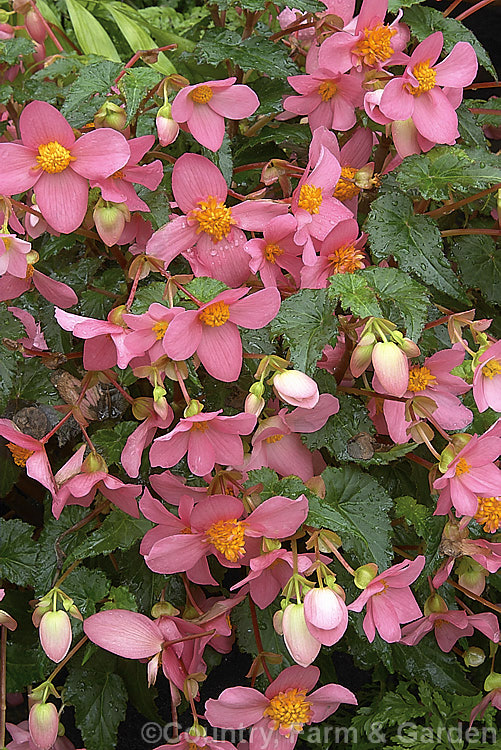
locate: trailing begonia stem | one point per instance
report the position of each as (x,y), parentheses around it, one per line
(457,232)
(337,554)
(451,7)
(257,638)
(368,392)
(133,288)
(76,527)
(47,437)
(3,682)
(449,207)
(66,573)
(67,658)
(182,386)
(471,595)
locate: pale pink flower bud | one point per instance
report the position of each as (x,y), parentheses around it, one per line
(301,645)
(296,388)
(361,356)
(391,367)
(55,634)
(167,128)
(254,404)
(326,615)
(278,619)
(39,54)
(110,221)
(35,26)
(43,725)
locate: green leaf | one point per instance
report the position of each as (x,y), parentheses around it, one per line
(306,323)
(429,663)
(270,92)
(135,84)
(424,21)
(272,642)
(351,419)
(355,294)
(479,261)
(146,295)
(110,442)
(86,588)
(33,383)
(18,552)
(99,709)
(414,241)
(204,288)
(91,36)
(469,127)
(120,598)
(81,103)
(255,53)
(118,531)
(222,158)
(356,507)
(416,513)
(449,168)
(395,5)
(135,677)
(12,49)
(53,528)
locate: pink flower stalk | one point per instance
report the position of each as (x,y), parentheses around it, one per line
(187,741)
(472,472)
(326,614)
(58,166)
(212,330)
(56,292)
(21,739)
(171,488)
(277,251)
(300,643)
(390,602)
(13,252)
(277,444)
(143,435)
(214,528)
(35,338)
(212,229)
(270,572)
(278,716)
(487,379)
(417,94)
(104,345)
(148,330)
(207,437)
(55,634)
(203,107)
(118,187)
(28,452)
(340,252)
(79,480)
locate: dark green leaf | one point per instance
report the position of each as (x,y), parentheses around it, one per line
(86,588)
(110,443)
(5,93)
(351,419)
(81,102)
(135,84)
(415,513)
(47,560)
(355,294)
(33,383)
(395,5)
(18,552)
(12,49)
(428,662)
(147,295)
(469,128)
(479,261)
(254,53)
(270,92)
(306,323)
(403,300)
(135,677)
(272,642)
(144,584)
(120,598)
(204,288)
(118,531)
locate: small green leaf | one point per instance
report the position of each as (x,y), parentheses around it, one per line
(118,531)
(146,295)
(355,294)
(428,662)
(135,84)
(86,588)
(479,261)
(204,288)
(18,552)
(110,442)
(91,36)
(416,513)
(81,103)
(351,419)
(255,53)
(12,49)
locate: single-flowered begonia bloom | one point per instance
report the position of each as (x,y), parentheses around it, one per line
(187,741)
(56,292)
(13,252)
(29,452)
(326,614)
(147,334)
(143,434)
(278,716)
(104,345)
(340,252)
(487,379)
(203,107)
(57,165)
(275,252)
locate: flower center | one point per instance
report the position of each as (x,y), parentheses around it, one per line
(53,158)
(273,439)
(462,467)
(213,218)
(272,251)
(327,89)
(228,537)
(289,710)
(310,198)
(7,241)
(29,271)
(491,368)
(118,175)
(375,47)
(199,426)
(420,378)
(425,77)
(346,259)
(201,95)
(215,315)
(345,188)
(160,328)
(20,455)
(489,513)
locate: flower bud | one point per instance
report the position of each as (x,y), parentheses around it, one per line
(361,356)
(141,407)
(194,408)
(35,26)
(300,643)
(474,657)
(115,316)
(254,404)
(492,681)
(435,605)
(94,462)
(471,575)
(364,575)
(110,115)
(278,619)
(110,219)
(167,127)
(326,615)
(391,367)
(55,634)
(43,725)
(161,609)
(296,388)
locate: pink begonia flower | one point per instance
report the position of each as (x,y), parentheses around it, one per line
(316,211)
(487,379)
(143,436)
(300,643)
(78,483)
(326,615)
(35,338)
(432,379)
(212,330)
(55,634)
(277,444)
(203,107)
(138,231)
(118,188)
(296,388)
(148,330)
(493,698)
(390,602)
(406,137)
(21,739)
(13,252)
(487,554)
(5,619)
(54,291)
(417,94)
(104,345)
(135,636)
(187,741)
(276,251)
(278,716)
(214,528)
(36,225)
(12,221)
(58,166)
(215,613)
(354,159)
(269,572)
(207,437)
(449,626)
(171,488)
(210,233)
(28,452)
(340,252)
(334,357)
(471,473)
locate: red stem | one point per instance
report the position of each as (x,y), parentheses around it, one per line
(46,26)
(473,9)
(257,637)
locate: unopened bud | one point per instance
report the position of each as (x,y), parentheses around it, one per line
(55,634)
(296,388)
(94,462)
(43,725)
(435,605)
(35,26)
(110,115)
(391,367)
(362,354)
(474,657)
(164,609)
(193,408)
(364,575)
(492,681)
(167,127)
(254,404)
(110,219)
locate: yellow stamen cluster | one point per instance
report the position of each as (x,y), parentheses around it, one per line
(213,218)
(20,455)
(491,368)
(53,158)
(345,189)
(273,439)
(462,467)
(310,198)
(289,711)
(118,175)
(271,252)
(199,426)
(425,77)
(489,513)
(346,259)
(327,89)
(160,328)
(202,94)
(215,315)
(420,378)
(375,47)
(29,271)
(228,537)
